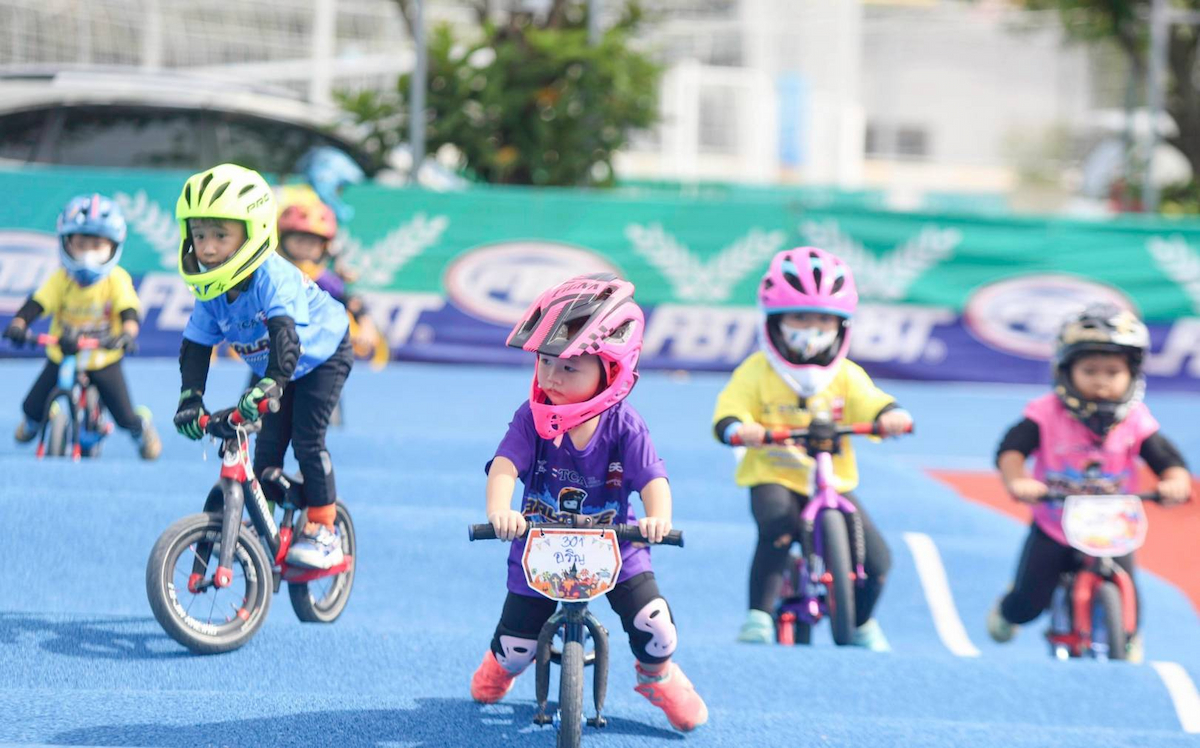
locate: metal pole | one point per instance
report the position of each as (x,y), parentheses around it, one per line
(152,37)
(416,109)
(593,21)
(1159,27)
(323,32)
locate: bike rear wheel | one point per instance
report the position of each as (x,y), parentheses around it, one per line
(1108,620)
(230,616)
(840,596)
(570,696)
(323,600)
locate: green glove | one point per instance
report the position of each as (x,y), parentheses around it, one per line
(187,415)
(264,389)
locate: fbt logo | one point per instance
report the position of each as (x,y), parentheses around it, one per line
(1022,315)
(497,282)
(27,258)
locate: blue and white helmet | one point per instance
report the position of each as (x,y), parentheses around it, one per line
(95,215)
(328,170)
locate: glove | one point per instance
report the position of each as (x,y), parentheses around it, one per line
(16,333)
(123,342)
(187,415)
(68,342)
(264,389)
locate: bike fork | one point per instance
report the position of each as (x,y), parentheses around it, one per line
(231,525)
(573,625)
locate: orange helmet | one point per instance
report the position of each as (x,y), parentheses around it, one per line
(311,218)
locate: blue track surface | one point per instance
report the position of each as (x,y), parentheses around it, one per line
(82,661)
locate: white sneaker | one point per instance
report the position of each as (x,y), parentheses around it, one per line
(320,549)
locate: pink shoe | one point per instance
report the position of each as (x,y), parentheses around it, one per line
(676,696)
(491,681)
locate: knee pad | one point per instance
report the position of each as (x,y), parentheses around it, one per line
(514,653)
(655,619)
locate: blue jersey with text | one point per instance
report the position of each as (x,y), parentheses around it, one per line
(277,289)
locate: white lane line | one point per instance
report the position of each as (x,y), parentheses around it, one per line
(1183,694)
(937,594)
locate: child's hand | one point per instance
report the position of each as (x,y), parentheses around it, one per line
(1027,489)
(895,422)
(1175,490)
(752,434)
(654,529)
(509,524)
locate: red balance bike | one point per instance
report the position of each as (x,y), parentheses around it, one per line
(210,576)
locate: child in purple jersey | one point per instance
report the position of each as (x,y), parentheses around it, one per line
(575,439)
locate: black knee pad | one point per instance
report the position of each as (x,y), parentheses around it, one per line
(514,650)
(651,630)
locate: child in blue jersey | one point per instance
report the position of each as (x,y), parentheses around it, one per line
(292,334)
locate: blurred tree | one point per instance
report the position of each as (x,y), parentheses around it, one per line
(1126,23)
(528,101)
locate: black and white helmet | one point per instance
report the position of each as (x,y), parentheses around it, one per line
(1100,328)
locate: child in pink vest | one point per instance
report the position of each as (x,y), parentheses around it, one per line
(1084,438)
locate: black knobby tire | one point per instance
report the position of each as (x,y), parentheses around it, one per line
(1108,605)
(793,585)
(58,434)
(323,600)
(95,419)
(840,587)
(192,620)
(570,696)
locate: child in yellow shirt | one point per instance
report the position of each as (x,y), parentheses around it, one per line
(807,299)
(90,295)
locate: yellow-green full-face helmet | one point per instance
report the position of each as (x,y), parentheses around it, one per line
(233,193)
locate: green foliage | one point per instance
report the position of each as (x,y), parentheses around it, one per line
(523,104)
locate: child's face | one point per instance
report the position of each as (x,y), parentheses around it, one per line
(1101,376)
(304,247)
(568,380)
(90,249)
(215,240)
(809,334)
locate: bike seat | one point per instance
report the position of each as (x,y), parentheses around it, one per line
(291,485)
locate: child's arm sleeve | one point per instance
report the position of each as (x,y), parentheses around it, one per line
(202,327)
(48,297)
(519,443)
(737,403)
(864,401)
(125,301)
(1023,437)
(284,352)
(1161,454)
(194,359)
(29,311)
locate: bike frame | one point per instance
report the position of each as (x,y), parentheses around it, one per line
(229,497)
(72,384)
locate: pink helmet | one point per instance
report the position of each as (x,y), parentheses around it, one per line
(605,321)
(805,279)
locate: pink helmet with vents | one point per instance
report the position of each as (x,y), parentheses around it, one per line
(805,279)
(588,314)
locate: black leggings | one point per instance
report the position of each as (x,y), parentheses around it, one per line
(1043,562)
(110,383)
(777,510)
(524,616)
(302,420)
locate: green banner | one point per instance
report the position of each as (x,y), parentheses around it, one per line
(696,249)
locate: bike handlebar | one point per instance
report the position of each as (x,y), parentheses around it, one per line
(625,533)
(83,343)
(776,436)
(1147,496)
(235,416)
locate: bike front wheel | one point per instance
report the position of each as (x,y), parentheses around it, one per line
(1108,621)
(323,600)
(202,617)
(839,583)
(570,696)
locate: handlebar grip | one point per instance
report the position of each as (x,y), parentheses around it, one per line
(633,533)
(481,532)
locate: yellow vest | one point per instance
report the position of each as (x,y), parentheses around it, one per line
(756,393)
(94,311)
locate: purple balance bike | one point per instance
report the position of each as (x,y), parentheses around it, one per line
(821,577)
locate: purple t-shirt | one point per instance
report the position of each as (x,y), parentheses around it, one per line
(619,460)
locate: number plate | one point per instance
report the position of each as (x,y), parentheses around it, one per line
(571,565)
(1105,526)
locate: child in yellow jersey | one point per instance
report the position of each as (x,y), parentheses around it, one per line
(90,295)
(807,299)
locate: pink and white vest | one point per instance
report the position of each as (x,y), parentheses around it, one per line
(1070,459)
